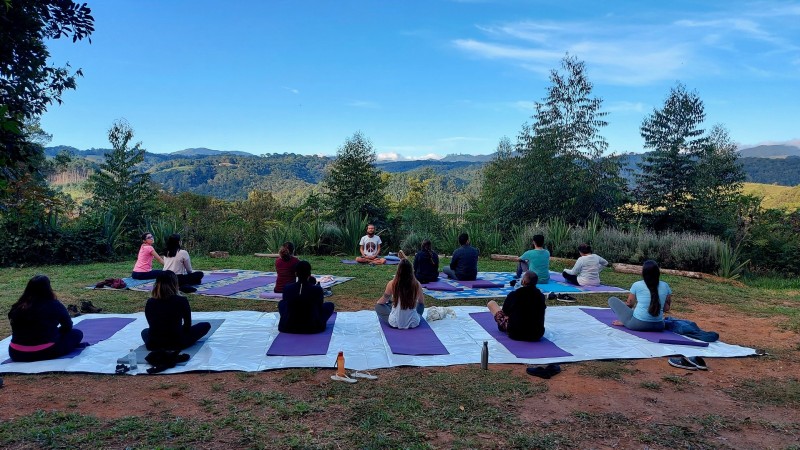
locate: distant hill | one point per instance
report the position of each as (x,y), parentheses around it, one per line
(437,166)
(785,171)
(467,158)
(208,152)
(770,151)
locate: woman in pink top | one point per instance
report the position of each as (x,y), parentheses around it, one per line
(143,270)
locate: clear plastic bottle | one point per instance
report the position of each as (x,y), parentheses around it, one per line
(132,359)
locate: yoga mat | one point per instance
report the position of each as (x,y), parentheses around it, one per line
(94,331)
(421,340)
(271,295)
(557,287)
(606,315)
(480,284)
(290,344)
(544,348)
(216,276)
(142,351)
(240,286)
(441,286)
(349,261)
(392,262)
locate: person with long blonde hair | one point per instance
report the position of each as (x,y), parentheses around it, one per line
(403,301)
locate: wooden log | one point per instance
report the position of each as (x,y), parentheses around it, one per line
(515,258)
(219,254)
(267,255)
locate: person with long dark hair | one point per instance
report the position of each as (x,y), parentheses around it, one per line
(649,299)
(302,310)
(285,266)
(177,260)
(169,317)
(426,263)
(403,301)
(143,269)
(40,324)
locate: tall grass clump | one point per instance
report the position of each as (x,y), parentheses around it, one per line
(730,264)
(558,235)
(354,226)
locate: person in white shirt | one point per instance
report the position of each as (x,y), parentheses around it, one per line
(586,271)
(370,247)
(177,260)
(403,302)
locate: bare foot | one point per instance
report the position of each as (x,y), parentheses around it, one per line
(617,323)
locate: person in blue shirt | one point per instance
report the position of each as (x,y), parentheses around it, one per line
(537,260)
(649,299)
(464,263)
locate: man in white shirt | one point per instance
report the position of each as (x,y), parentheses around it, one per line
(370,247)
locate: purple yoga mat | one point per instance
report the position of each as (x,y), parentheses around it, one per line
(216,276)
(240,286)
(271,295)
(94,331)
(480,284)
(421,340)
(521,349)
(290,344)
(606,315)
(441,286)
(559,278)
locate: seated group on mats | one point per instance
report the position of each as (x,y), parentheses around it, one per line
(175,260)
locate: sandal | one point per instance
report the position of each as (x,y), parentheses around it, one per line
(682,363)
(365,375)
(345,378)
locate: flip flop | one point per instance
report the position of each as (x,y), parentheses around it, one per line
(365,375)
(682,363)
(698,362)
(345,378)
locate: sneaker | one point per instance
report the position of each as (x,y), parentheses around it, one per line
(682,363)
(327,292)
(73,311)
(566,298)
(88,307)
(551,296)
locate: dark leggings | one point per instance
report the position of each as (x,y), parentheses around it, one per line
(572,279)
(187,339)
(146,275)
(65,344)
(325,313)
(190,279)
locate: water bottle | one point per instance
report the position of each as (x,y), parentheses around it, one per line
(340,371)
(132,359)
(485,356)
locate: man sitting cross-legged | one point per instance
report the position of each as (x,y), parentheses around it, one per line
(370,247)
(522,314)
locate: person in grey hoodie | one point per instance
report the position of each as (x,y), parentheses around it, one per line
(586,271)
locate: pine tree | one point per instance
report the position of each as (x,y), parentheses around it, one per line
(353,183)
(118,186)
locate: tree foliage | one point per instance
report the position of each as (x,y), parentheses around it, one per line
(353,183)
(691,180)
(556,167)
(27,84)
(118,186)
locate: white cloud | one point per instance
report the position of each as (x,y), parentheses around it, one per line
(394,156)
(292,90)
(363,104)
(623,106)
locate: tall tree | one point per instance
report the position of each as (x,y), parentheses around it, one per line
(119,186)
(668,174)
(557,168)
(27,84)
(353,183)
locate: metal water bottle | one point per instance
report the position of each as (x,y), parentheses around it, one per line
(485,356)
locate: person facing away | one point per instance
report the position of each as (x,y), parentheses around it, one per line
(370,247)
(464,263)
(143,269)
(426,263)
(649,299)
(40,324)
(285,266)
(403,302)
(177,260)
(536,260)
(586,271)
(302,310)
(169,317)
(522,314)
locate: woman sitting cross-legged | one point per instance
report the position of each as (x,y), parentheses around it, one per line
(285,266)
(403,302)
(40,325)
(177,260)
(641,312)
(302,310)
(522,314)
(169,317)
(426,263)
(143,269)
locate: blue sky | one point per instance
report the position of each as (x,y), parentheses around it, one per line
(418,78)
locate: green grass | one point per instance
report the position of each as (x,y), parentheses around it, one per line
(768,391)
(613,370)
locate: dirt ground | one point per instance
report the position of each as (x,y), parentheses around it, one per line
(703,393)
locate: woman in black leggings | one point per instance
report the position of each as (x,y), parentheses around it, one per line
(170,317)
(40,325)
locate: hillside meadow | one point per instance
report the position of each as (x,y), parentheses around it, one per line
(739,403)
